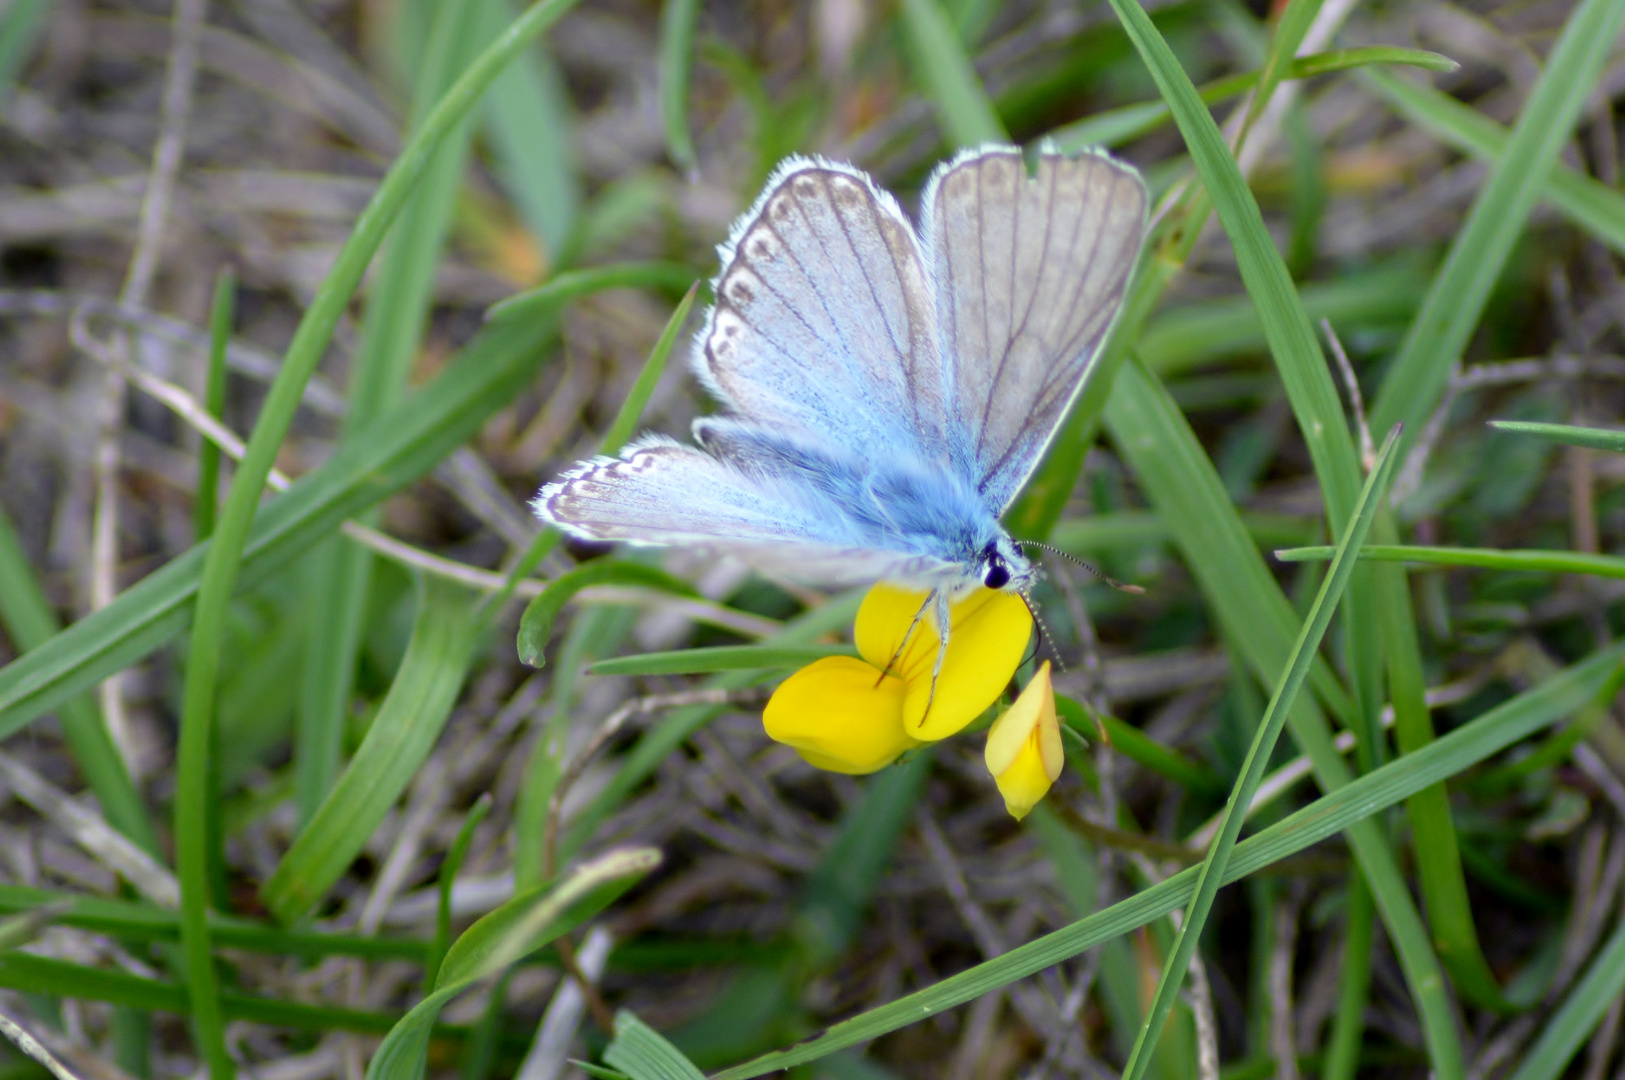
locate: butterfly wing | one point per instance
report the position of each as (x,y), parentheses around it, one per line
(664,493)
(825,323)
(1029,274)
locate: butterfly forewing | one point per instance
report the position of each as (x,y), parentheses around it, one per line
(662,492)
(824,319)
(1029,274)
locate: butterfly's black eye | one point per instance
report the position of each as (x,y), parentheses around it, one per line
(997,575)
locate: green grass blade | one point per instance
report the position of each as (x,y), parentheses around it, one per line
(1462,748)
(522,925)
(30,622)
(1354,985)
(572,284)
(1258,755)
(678,19)
(1286,324)
(642,1053)
(1589,203)
(1451,310)
(631,412)
(20,28)
(224,554)
(620,430)
(397,311)
(1567,434)
(718,658)
(1581,1011)
(1137,746)
(1113,127)
(530,131)
(536,626)
(447,878)
(948,78)
(221,316)
(657,743)
(401,447)
(1433,831)
(1528,561)
(400,738)
(1176,474)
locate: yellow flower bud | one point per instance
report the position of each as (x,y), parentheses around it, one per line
(988,633)
(840,715)
(1024,751)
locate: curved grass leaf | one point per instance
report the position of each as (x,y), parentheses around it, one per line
(1113,127)
(719,658)
(536,627)
(643,1053)
(399,739)
(678,19)
(1557,562)
(517,928)
(1329,815)
(573,284)
(1568,434)
(447,878)
(948,77)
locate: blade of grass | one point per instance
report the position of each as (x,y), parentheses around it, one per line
(1181,482)
(1557,562)
(448,877)
(678,19)
(1469,744)
(948,77)
(642,1053)
(224,554)
(620,430)
(1113,127)
(401,447)
(338,574)
(20,28)
(1257,759)
(1581,1011)
(1567,434)
(718,658)
(1411,388)
(665,276)
(30,622)
(522,925)
(529,127)
(1589,203)
(536,626)
(222,313)
(397,742)
(1137,746)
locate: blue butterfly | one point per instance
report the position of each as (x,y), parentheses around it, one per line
(887,392)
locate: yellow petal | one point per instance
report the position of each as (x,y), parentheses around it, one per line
(988,633)
(1024,751)
(833,713)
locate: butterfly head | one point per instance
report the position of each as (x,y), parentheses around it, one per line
(1002,566)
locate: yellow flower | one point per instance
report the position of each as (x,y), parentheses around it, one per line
(848,715)
(1024,751)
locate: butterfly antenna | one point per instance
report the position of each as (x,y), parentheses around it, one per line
(1043,634)
(1091,568)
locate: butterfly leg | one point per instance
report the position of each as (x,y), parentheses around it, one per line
(909,633)
(943,625)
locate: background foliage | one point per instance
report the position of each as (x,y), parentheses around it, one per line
(281,796)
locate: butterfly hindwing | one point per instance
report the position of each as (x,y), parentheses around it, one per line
(1029,274)
(825,320)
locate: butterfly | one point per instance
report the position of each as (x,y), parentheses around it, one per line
(886,391)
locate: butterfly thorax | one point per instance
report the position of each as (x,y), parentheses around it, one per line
(936,522)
